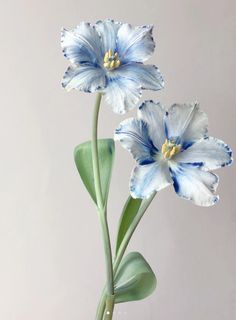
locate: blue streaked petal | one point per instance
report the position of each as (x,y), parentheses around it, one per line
(133,135)
(149,178)
(85,78)
(210,152)
(148,76)
(186,123)
(153,114)
(108,32)
(82,45)
(135,43)
(122,94)
(192,183)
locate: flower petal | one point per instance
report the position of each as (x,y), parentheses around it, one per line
(122,94)
(85,78)
(210,153)
(153,114)
(148,178)
(192,183)
(135,43)
(82,45)
(133,135)
(186,124)
(148,76)
(108,32)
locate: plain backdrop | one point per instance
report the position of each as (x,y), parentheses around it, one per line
(51,253)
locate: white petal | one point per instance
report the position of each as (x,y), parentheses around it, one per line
(153,114)
(82,45)
(84,78)
(135,43)
(148,178)
(108,32)
(122,94)
(148,76)
(210,153)
(133,135)
(194,184)
(186,123)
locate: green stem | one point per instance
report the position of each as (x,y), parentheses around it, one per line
(108,300)
(101,305)
(108,253)
(130,231)
(95,159)
(124,245)
(101,207)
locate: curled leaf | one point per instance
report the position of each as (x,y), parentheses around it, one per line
(135,279)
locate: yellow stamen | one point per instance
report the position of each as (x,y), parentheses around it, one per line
(117,63)
(170,149)
(106,57)
(163,148)
(111,60)
(112,64)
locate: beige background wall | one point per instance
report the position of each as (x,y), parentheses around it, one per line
(51,258)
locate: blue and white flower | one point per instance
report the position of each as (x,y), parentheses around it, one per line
(109,57)
(173,147)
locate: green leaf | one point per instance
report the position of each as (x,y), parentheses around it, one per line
(130,210)
(135,279)
(83,161)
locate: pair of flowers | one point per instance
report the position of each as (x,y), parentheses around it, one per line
(169,146)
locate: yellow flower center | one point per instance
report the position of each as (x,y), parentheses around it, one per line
(111,60)
(169,149)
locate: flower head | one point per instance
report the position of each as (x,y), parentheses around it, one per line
(173,147)
(109,57)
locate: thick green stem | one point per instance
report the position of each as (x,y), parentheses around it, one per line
(101,207)
(124,245)
(110,302)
